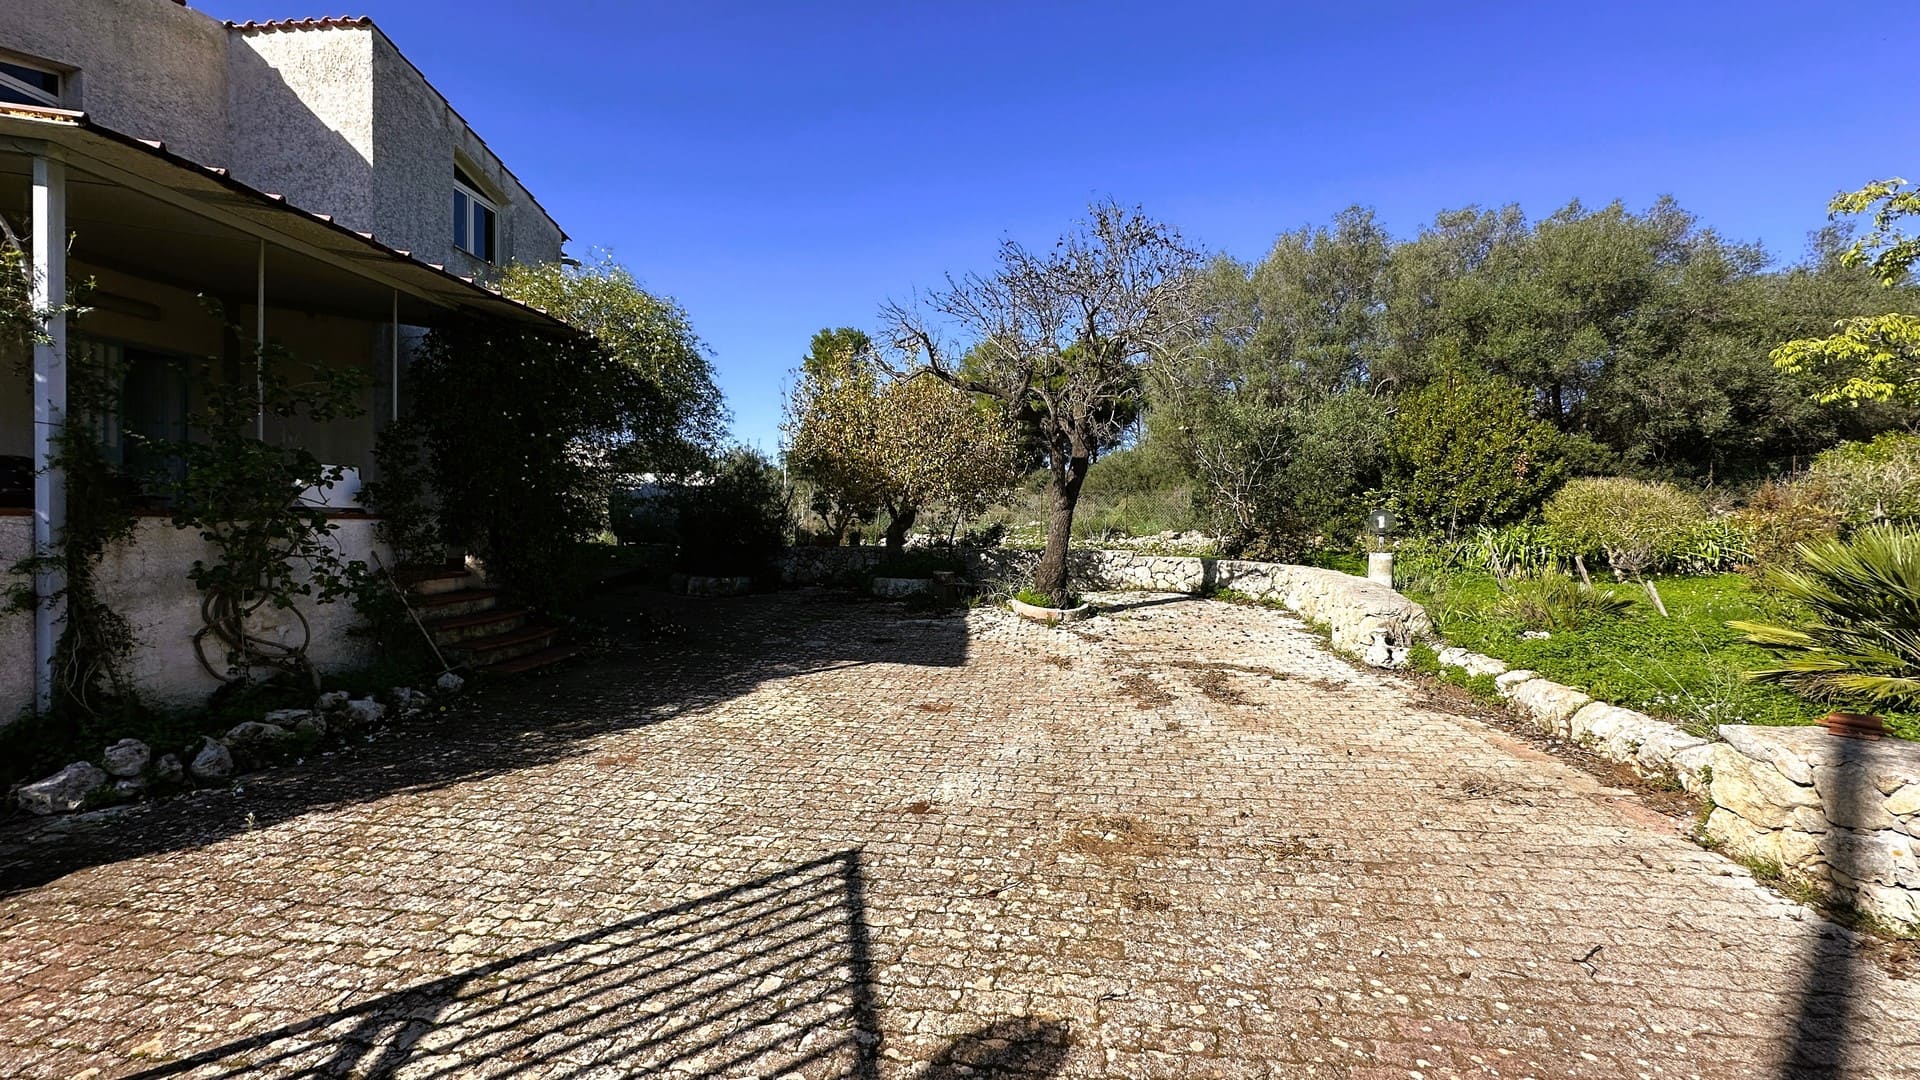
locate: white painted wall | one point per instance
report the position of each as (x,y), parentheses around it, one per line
(300,108)
(145,580)
(150,69)
(16,627)
(334,118)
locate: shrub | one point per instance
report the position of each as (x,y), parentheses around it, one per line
(1512,551)
(1464,452)
(1868,483)
(1558,602)
(1861,645)
(1714,546)
(1636,525)
(733,520)
(1780,519)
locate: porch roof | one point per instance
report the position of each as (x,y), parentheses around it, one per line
(137,207)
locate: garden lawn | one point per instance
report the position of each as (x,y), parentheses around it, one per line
(1687,668)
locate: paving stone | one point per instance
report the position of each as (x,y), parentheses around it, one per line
(803,835)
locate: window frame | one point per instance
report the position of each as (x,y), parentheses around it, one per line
(40,97)
(476,201)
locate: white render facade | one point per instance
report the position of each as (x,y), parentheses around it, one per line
(326,112)
(304,175)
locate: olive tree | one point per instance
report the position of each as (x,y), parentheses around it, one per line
(869,440)
(1059,338)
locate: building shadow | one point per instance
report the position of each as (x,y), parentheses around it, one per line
(770,977)
(657,659)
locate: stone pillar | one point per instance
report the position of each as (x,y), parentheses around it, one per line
(1380,568)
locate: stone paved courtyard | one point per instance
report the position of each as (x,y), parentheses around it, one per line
(800,835)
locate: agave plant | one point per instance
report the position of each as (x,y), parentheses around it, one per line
(1861,648)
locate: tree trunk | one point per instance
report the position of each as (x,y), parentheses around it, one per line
(1580,564)
(899,523)
(1050,577)
(1654,595)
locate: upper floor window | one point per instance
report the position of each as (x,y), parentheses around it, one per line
(476,221)
(28,84)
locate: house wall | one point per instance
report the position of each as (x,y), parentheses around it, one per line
(334,118)
(145,581)
(417,139)
(16,627)
(151,69)
(301,109)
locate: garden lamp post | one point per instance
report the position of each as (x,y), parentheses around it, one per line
(1380,560)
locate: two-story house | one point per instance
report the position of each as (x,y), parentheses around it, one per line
(304,174)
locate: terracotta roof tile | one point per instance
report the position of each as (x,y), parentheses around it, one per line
(328,23)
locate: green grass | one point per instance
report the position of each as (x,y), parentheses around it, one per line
(1687,669)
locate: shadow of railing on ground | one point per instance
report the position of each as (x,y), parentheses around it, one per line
(768,977)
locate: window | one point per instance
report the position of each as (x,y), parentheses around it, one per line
(25,84)
(476,223)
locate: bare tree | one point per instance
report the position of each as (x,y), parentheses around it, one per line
(1060,337)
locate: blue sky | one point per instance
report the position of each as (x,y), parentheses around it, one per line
(778,167)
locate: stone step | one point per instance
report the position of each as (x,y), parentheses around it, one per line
(481,652)
(437,582)
(534,661)
(456,602)
(451,630)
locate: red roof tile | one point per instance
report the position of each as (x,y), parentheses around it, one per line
(328,23)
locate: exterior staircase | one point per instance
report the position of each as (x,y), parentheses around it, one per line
(475,630)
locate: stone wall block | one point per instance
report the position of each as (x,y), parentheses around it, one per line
(1847,793)
(1549,703)
(1757,791)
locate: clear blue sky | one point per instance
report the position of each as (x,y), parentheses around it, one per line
(780,166)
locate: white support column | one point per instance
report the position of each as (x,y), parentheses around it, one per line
(260,345)
(49,294)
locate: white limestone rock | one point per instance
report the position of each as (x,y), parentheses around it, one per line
(128,757)
(214,762)
(63,791)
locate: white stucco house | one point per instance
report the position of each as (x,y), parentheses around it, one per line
(302,172)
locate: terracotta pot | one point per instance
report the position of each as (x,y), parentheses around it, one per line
(1855,725)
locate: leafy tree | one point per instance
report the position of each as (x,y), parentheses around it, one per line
(1463,452)
(1869,357)
(525,431)
(1277,409)
(1060,339)
(869,441)
(686,416)
(833,430)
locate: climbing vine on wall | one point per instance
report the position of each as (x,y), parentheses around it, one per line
(237,489)
(95,641)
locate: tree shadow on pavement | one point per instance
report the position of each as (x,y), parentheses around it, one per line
(1018,1047)
(658,657)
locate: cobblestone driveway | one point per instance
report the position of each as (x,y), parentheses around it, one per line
(812,837)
